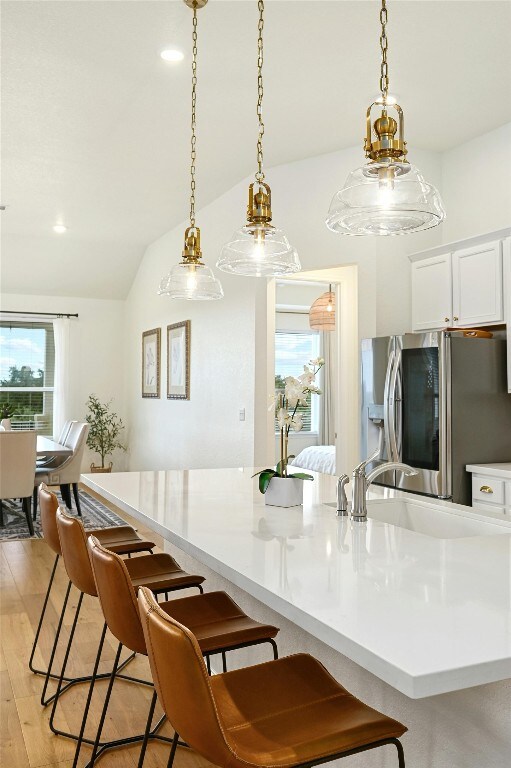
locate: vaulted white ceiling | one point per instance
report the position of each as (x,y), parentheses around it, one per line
(95,126)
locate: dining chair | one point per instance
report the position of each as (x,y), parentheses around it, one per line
(55,461)
(17,467)
(67,474)
(287,713)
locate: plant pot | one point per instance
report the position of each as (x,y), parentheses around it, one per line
(94,469)
(6,424)
(284,492)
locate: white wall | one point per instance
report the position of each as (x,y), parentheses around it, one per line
(476,185)
(226,370)
(97,352)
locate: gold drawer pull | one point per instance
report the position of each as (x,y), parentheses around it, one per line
(486,489)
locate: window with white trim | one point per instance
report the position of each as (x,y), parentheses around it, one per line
(27,367)
(293,350)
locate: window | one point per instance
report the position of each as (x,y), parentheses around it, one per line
(293,350)
(27,363)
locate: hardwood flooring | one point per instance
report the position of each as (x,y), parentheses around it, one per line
(25,738)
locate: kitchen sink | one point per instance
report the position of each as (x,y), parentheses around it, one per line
(431,519)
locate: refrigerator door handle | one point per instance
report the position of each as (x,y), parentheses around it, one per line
(393,399)
(386,406)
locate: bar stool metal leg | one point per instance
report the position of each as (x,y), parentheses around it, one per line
(41,618)
(89,696)
(173,750)
(105,707)
(64,664)
(147,730)
(44,702)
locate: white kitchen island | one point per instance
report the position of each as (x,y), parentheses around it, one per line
(416,625)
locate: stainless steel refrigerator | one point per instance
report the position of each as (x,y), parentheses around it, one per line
(436,401)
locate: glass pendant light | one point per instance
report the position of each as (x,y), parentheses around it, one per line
(191,278)
(388,195)
(259,249)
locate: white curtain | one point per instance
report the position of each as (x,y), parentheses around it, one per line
(329,379)
(61,331)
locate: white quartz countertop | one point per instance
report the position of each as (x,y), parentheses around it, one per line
(492,470)
(427,615)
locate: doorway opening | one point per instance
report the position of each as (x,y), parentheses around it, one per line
(329,440)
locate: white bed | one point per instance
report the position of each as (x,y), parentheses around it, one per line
(316,458)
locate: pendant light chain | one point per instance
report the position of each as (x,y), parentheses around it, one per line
(260,92)
(193,141)
(384,76)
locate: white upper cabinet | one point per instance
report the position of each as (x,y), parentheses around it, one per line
(461,285)
(477,285)
(432,292)
(506,247)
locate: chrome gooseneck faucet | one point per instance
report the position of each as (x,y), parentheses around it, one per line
(362,481)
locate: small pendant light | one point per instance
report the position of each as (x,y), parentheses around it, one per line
(322,312)
(259,249)
(191,278)
(387,196)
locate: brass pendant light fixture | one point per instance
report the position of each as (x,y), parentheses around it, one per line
(258,248)
(191,279)
(322,312)
(387,196)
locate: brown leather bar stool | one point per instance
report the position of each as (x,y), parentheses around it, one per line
(220,625)
(159,569)
(288,713)
(122,539)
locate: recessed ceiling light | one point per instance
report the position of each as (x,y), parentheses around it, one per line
(59,229)
(172,54)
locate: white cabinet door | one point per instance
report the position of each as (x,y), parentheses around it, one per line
(432,293)
(477,285)
(506,246)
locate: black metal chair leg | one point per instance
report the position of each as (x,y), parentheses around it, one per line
(400,752)
(275,649)
(66,657)
(208,664)
(43,611)
(147,730)
(77,499)
(54,648)
(105,707)
(34,502)
(224,662)
(89,697)
(28,514)
(173,750)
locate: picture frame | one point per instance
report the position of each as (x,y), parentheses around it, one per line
(151,358)
(178,360)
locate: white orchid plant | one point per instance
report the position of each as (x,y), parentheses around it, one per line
(286,405)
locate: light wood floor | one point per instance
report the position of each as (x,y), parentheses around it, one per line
(25,738)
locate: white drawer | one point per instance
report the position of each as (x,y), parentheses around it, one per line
(508,493)
(487,489)
(483,509)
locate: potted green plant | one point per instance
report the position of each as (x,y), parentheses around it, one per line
(6,411)
(280,488)
(104,431)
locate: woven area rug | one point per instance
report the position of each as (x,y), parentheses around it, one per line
(94,515)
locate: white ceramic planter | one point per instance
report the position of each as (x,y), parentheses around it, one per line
(6,424)
(284,492)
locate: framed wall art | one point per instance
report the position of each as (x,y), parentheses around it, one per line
(151,349)
(178,361)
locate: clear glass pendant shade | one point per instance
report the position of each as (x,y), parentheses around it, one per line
(195,282)
(259,251)
(385,198)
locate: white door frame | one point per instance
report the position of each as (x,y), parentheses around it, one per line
(347,418)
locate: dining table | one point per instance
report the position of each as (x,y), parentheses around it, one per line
(50,448)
